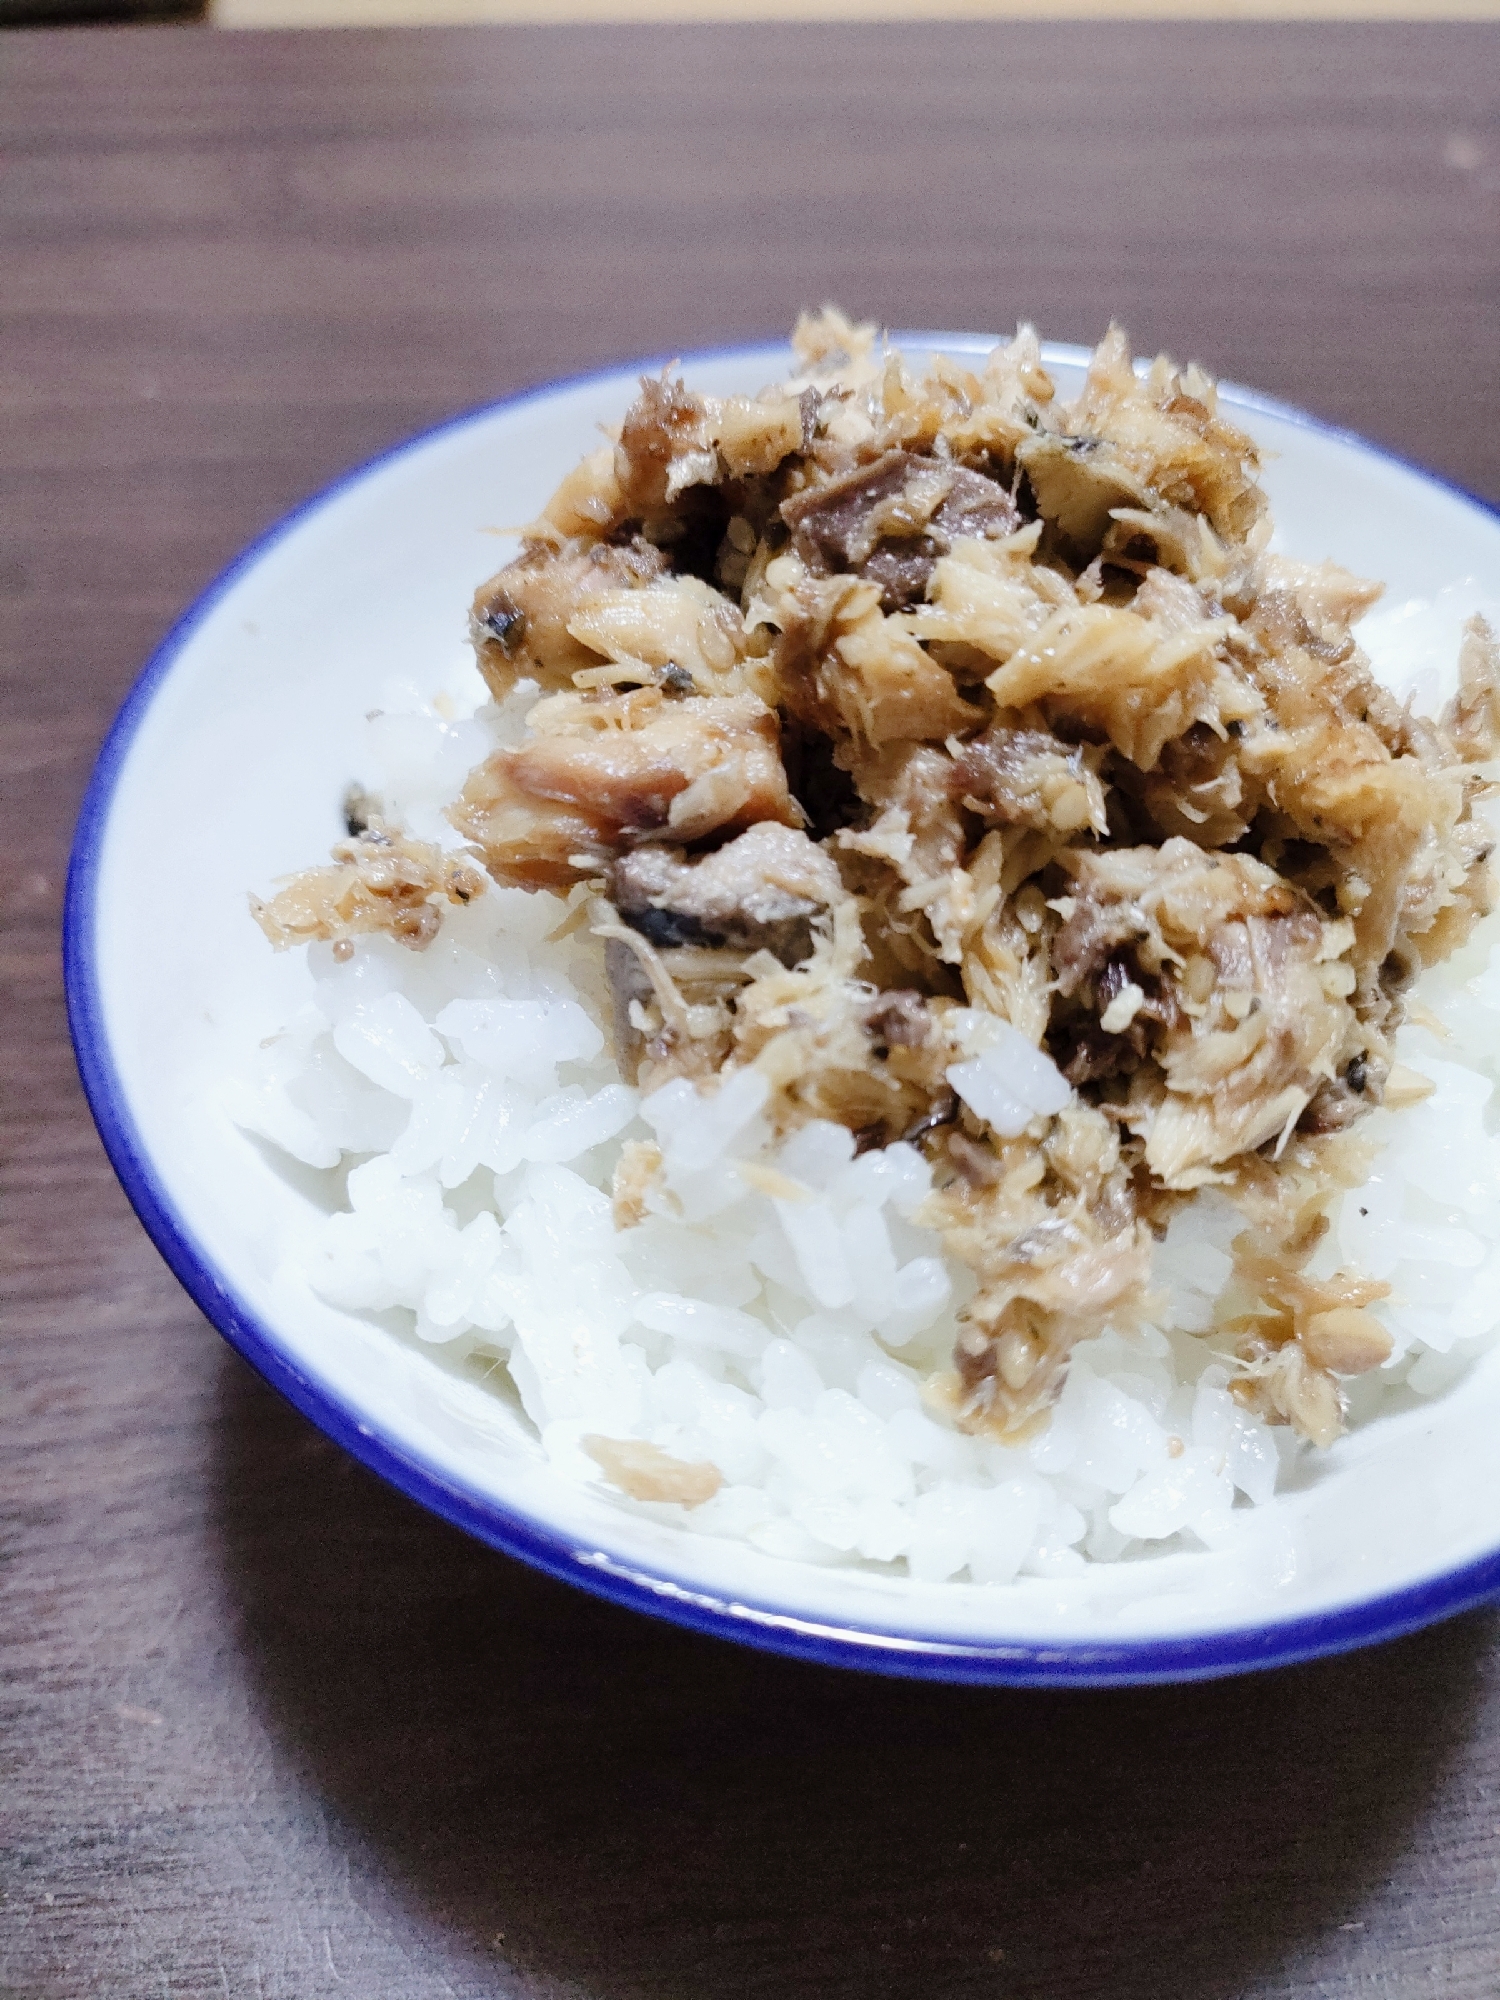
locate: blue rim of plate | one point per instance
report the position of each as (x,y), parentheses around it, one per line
(1022,1663)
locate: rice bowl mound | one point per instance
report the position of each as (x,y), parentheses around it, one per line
(757,1319)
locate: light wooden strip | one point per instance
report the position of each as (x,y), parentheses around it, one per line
(412,13)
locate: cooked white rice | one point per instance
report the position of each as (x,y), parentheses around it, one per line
(778,1325)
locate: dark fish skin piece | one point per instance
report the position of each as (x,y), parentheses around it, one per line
(837,529)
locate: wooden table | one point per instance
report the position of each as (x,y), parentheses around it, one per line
(269,1730)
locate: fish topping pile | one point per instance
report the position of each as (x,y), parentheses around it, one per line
(964,761)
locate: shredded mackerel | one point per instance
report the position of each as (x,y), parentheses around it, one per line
(963,762)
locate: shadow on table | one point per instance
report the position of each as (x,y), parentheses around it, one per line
(643,1812)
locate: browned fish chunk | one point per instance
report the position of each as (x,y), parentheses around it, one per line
(1235,985)
(665,444)
(1027,777)
(759,892)
(519,622)
(844,669)
(602,773)
(380,881)
(890,521)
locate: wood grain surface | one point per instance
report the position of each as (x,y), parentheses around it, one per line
(268,1730)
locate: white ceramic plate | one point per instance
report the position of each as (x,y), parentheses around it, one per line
(224,770)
